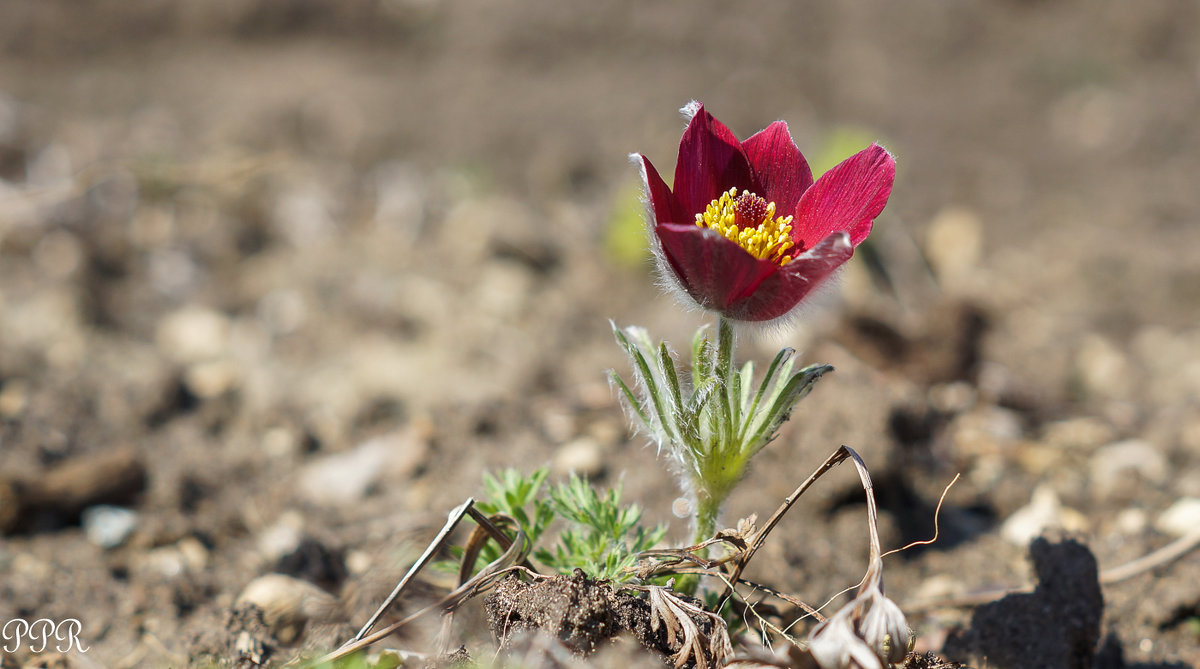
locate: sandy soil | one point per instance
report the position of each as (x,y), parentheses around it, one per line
(284,278)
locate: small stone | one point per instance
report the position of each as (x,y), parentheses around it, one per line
(954,244)
(345,478)
(952,397)
(1044,511)
(194,554)
(583,456)
(1113,464)
(1102,370)
(288,604)
(986,430)
(1131,521)
(280,442)
(108,526)
(212,378)
(1181,518)
(193,334)
(14,395)
(358,562)
(281,538)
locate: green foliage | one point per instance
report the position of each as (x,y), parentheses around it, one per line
(625,241)
(600,536)
(714,425)
(841,143)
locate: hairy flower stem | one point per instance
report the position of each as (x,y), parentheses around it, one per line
(713,479)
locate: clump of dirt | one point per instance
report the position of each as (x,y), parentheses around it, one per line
(1057,625)
(243,640)
(582,613)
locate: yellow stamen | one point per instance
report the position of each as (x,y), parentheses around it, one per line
(765,237)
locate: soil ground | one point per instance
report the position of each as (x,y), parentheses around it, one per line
(284,278)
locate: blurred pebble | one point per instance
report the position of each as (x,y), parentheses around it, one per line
(986,430)
(1085,433)
(194,554)
(1181,518)
(288,604)
(559,424)
(14,396)
(1132,521)
(345,478)
(1102,370)
(108,526)
(280,442)
(1112,465)
(952,397)
(953,245)
(193,334)
(212,378)
(358,562)
(281,538)
(1043,512)
(583,456)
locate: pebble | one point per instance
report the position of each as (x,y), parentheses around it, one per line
(1112,465)
(212,378)
(1102,370)
(583,456)
(1131,521)
(1043,512)
(14,396)
(193,334)
(954,244)
(108,526)
(288,604)
(343,479)
(986,430)
(1181,518)
(282,537)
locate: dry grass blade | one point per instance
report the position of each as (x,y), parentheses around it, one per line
(513,556)
(761,536)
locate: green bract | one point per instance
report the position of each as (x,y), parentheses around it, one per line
(713,425)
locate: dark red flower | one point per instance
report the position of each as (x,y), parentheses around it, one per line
(745,231)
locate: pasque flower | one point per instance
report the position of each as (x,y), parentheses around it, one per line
(745,231)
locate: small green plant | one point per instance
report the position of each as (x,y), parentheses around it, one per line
(600,535)
(712,427)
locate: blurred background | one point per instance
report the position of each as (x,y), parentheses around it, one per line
(280,279)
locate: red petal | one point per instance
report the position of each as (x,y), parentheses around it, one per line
(712,269)
(779,167)
(847,197)
(780,292)
(710,162)
(662,202)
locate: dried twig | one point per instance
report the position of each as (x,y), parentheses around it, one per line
(761,536)
(514,555)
